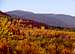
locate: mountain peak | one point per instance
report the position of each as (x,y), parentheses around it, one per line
(20,11)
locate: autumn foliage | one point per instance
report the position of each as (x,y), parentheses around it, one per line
(18,36)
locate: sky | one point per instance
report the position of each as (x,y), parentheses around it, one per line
(40,6)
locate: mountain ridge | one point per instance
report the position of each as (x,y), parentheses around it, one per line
(49,19)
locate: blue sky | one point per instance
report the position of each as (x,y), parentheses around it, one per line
(40,6)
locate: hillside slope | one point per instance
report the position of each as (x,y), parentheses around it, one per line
(23,36)
(60,20)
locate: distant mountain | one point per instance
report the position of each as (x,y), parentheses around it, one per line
(26,23)
(49,19)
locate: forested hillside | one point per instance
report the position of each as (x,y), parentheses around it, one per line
(22,36)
